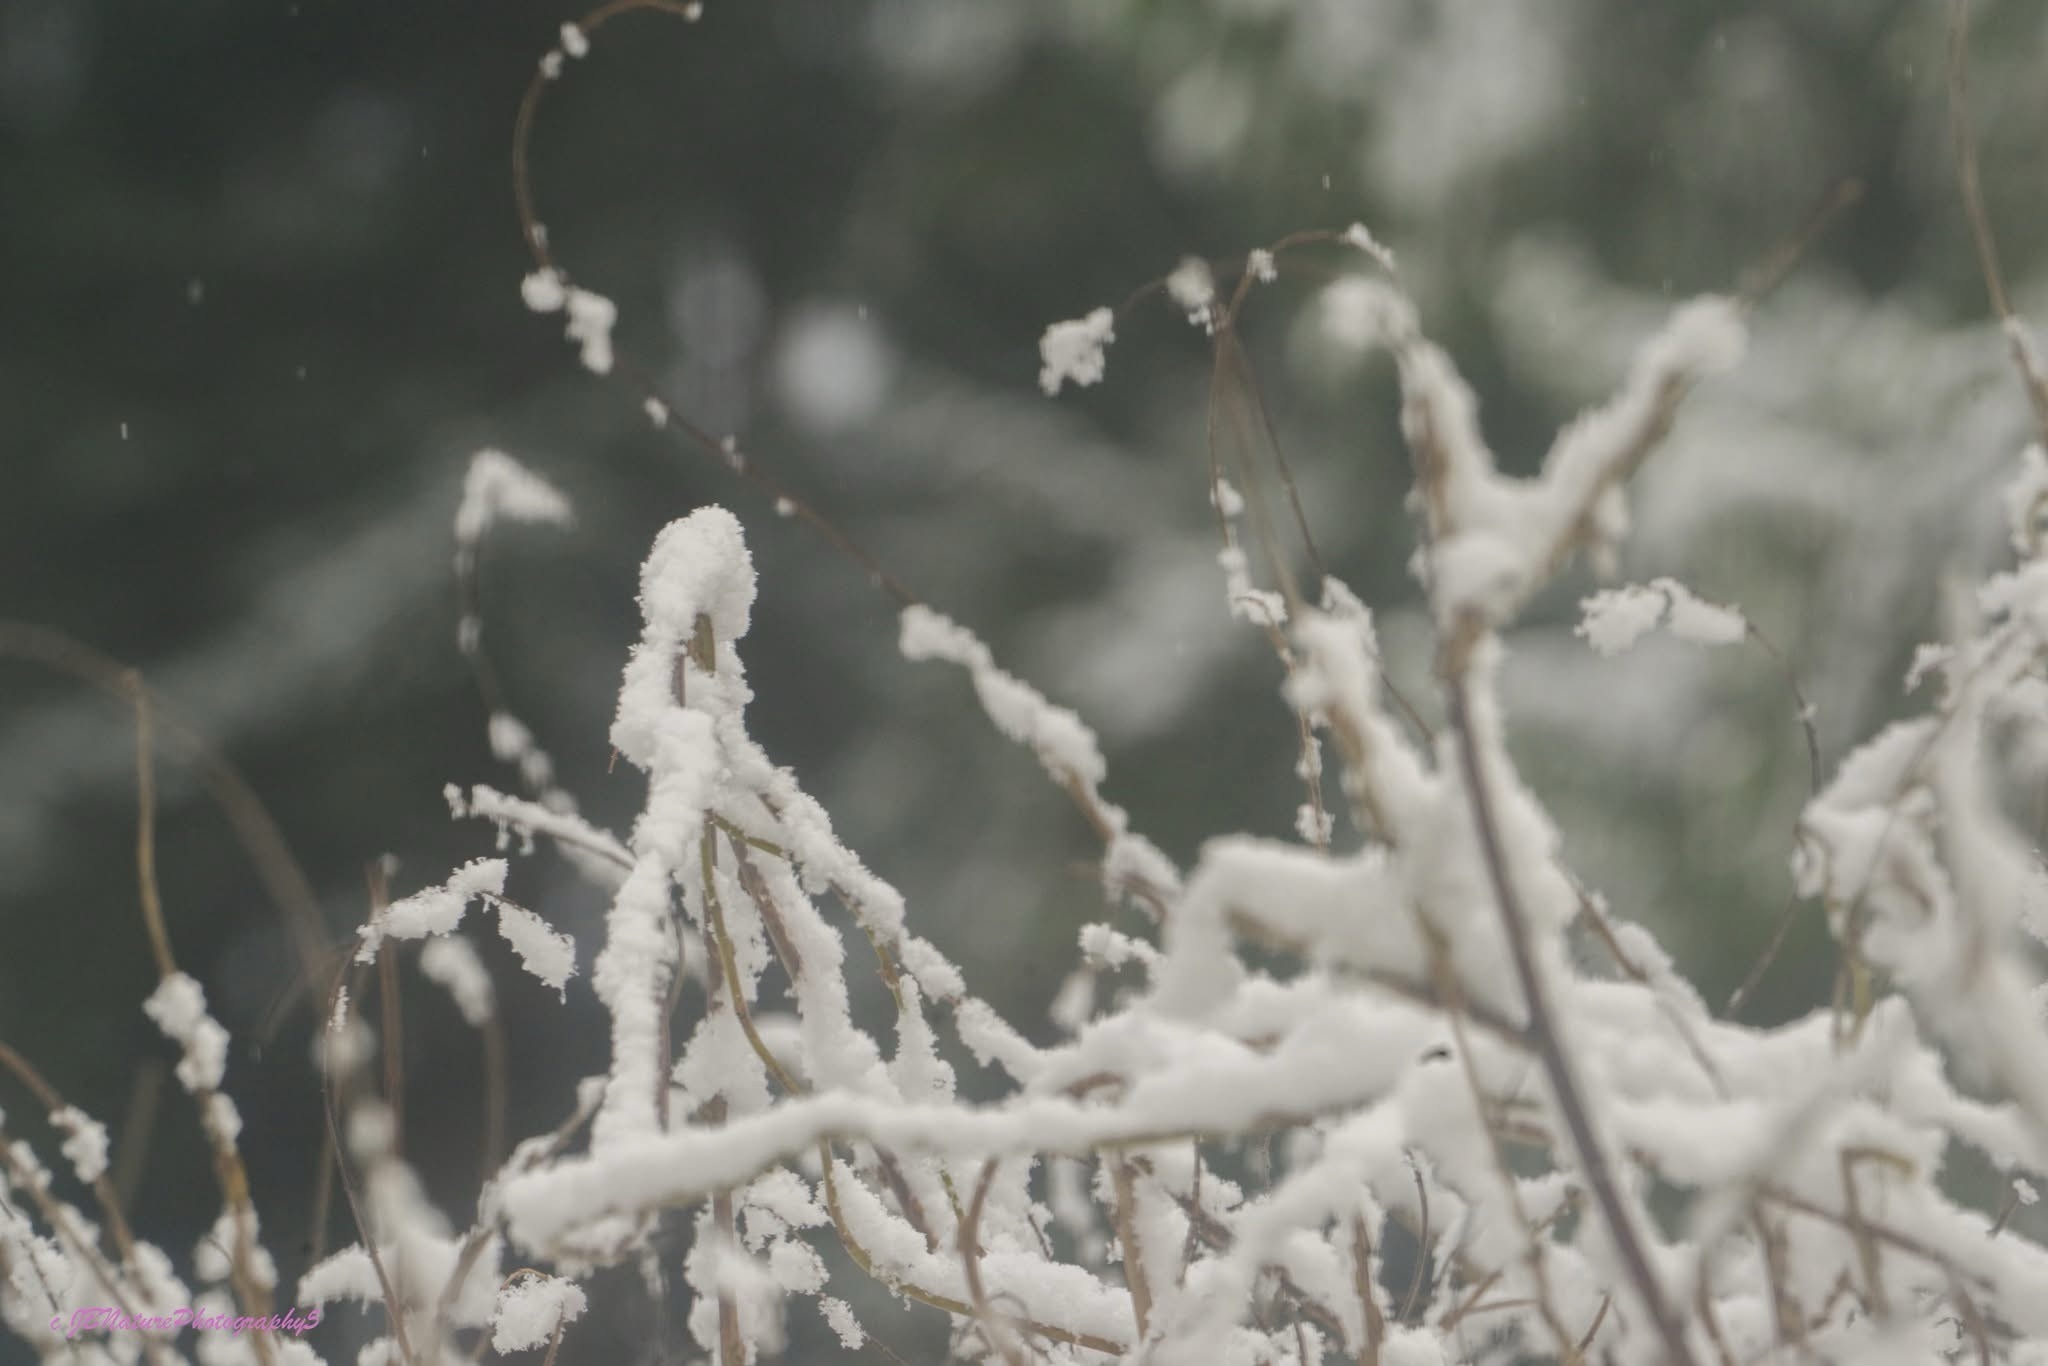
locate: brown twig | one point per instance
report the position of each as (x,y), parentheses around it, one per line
(336,1070)
(1368,1293)
(970,1258)
(229,1172)
(1970,183)
(1128,1237)
(1484,1106)
(103,1192)
(1779,931)
(1416,1281)
(1549,1047)
(676,421)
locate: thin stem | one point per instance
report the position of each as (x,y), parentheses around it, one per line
(1970,183)
(1368,1293)
(1133,1245)
(1543,1035)
(970,1258)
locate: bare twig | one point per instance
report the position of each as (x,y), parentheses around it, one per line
(998,1334)
(1128,1236)
(1549,1047)
(1368,1293)
(1970,183)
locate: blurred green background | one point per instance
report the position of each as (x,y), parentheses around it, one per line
(262,303)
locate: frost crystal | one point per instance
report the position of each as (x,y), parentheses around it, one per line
(2025,499)
(1073,351)
(86,1144)
(1360,313)
(1358,235)
(590,323)
(547,955)
(1617,618)
(1193,287)
(1063,744)
(591,316)
(544,291)
(840,1316)
(178,1006)
(499,486)
(433,910)
(532,1309)
(453,963)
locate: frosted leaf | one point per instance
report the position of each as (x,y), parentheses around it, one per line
(1259,262)
(1073,351)
(839,1317)
(547,955)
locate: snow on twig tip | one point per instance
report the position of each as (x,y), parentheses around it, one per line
(432,910)
(1360,236)
(1073,351)
(1616,618)
(549,956)
(591,316)
(1193,286)
(499,487)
